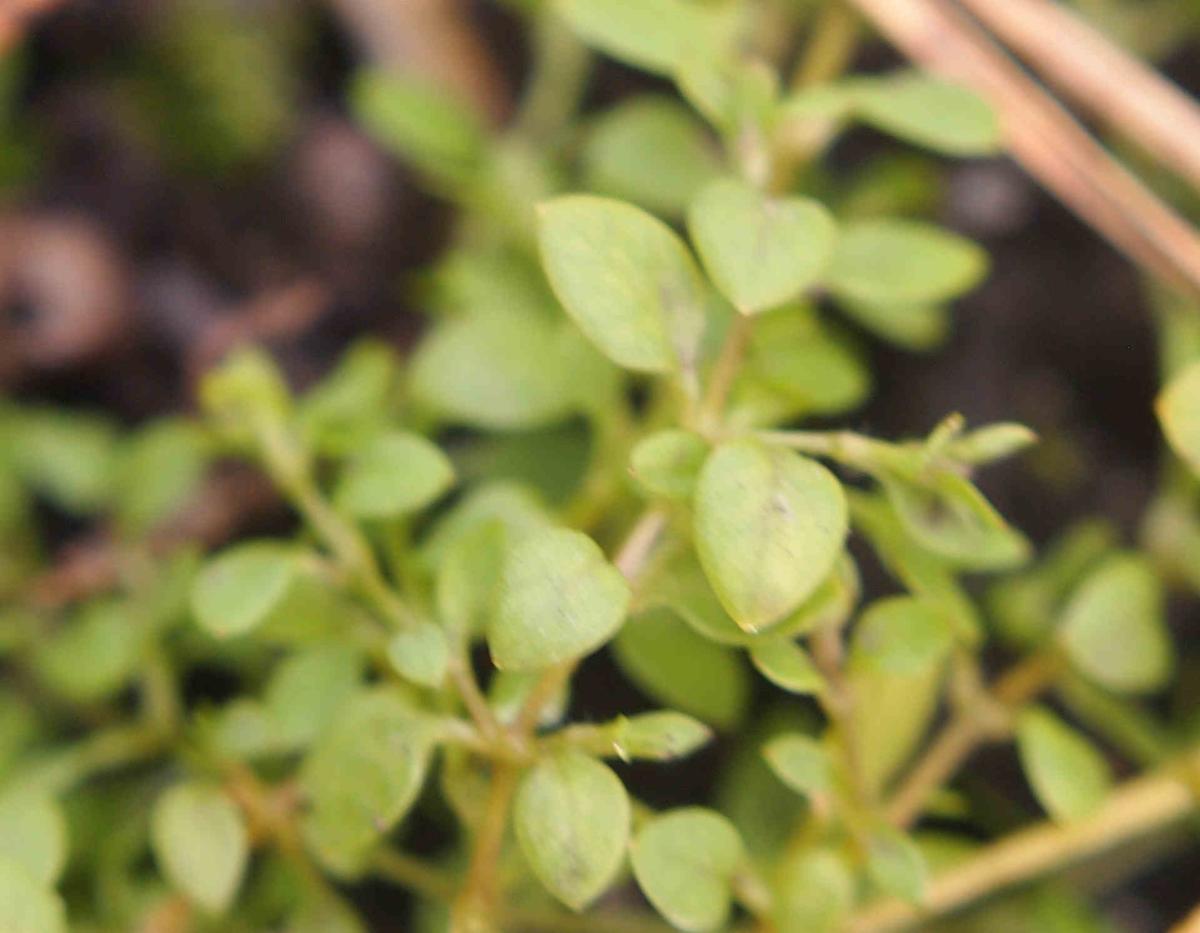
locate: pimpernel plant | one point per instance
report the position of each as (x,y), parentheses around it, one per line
(624,452)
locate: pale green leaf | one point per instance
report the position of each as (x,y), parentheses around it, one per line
(1068,775)
(393,475)
(930,112)
(655,35)
(904,263)
(307,689)
(1178,409)
(788,666)
(363,775)
(94,654)
(651,151)
(558,598)
(33,834)
(572,819)
(1114,629)
(683,670)
(26,906)
(236,590)
(902,635)
(685,862)
(801,763)
(760,251)
(668,463)
(661,736)
(420,654)
(769,526)
(895,864)
(626,279)
(200,841)
(155,472)
(815,894)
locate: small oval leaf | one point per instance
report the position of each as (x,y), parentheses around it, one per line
(201,844)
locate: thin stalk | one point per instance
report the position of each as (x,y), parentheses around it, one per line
(831,45)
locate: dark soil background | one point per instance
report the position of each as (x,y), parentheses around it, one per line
(125,268)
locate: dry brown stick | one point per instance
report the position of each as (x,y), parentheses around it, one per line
(1044,137)
(16,16)
(1128,95)
(1143,806)
(431,38)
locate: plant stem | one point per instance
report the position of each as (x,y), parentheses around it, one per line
(414,874)
(981,718)
(830,47)
(1136,809)
(478,904)
(725,371)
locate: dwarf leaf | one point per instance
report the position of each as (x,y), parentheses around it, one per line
(392,475)
(1113,628)
(420,654)
(626,279)
(1179,411)
(760,251)
(655,35)
(903,262)
(895,864)
(801,763)
(559,598)
(237,589)
(930,112)
(572,820)
(788,666)
(685,862)
(660,736)
(902,634)
(201,844)
(1068,775)
(33,833)
(26,905)
(769,526)
(668,463)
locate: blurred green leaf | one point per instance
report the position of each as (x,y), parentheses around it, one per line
(155,472)
(769,526)
(668,463)
(661,736)
(201,844)
(903,263)
(1068,775)
(572,819)
(945,117)
(236,590)
(815,893)
(788,666)
(683,670)
(393,475)
(1178,409)
(420,654)
(27,906)
(895,864)
(33,834)
(655,35)
(651,151)
(626,279)
(1114,629)
(685,862)
(308,688)
(801,763)
(902,635)
(760,251)
(94,654)
(558,599)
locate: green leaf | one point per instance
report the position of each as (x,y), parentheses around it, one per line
(1178,409)
(769,526)
(760,251)
(816,893)
(508,692)
(902,635)
(572,818)
(685,862)
(895,864)
(681,669)
(67,457)
(654,35)
(421,122)
(156,470)
(236,590)
(1114,629)
(468,574)
(393,475)
(661,736)
(915,327)
(948,515)
(787,666)
(497,370)
(363,775)
(668,463)
(652,151)
(94,655)
(33,834)
(352,403)
(801,763)
(559,598)
(245,390)
(626,279)
(201,844)
(903,262)
(307,689)
(930,112)
(324,912)
(27,906)
(1068,775)
(420,654)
